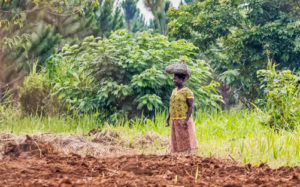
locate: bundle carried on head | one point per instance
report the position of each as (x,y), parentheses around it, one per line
(179,68)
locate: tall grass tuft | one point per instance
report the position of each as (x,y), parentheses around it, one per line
(282,97)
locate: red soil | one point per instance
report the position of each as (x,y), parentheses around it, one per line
(37,163)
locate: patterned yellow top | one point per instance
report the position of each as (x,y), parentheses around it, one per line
(178,105)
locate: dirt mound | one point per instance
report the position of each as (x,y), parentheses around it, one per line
(4,137)
(101,143)
(31,146)
(104,136)
(166,170)
(50,160)
(150,138)
(140,170)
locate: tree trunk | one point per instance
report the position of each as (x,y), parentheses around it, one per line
(10,78)
(156,23)
(1,75)
(224,92)
(128,25)
(162,23)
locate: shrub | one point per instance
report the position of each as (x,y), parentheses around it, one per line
(35,96)
(282,97)
(126,73)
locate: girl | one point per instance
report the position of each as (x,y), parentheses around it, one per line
(183,137)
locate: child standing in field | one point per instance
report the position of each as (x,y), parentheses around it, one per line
(183,136)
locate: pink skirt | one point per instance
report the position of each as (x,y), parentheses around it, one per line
(183,139)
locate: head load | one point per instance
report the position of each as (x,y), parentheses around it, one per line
(179,68)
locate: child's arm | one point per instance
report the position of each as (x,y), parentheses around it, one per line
(168,120)
(190,103)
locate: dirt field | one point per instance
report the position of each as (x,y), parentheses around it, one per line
(35,162)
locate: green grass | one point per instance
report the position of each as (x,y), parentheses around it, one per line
(235,134)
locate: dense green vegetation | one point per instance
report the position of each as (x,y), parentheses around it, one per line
(71,66)
(125,73)
(238,36)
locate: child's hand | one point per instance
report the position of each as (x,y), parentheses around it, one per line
(168,122)
(185,125)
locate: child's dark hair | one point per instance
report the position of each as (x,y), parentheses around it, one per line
(180,76)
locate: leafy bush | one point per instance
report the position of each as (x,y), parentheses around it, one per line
(126,73)
(35,96)
(282,97)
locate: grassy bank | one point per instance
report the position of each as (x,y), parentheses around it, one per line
(236,134)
